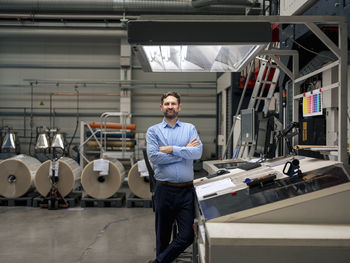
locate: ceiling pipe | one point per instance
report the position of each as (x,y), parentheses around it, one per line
(81,6)
(114,66)
(32,16)
(118,95)
(68,114)
(7,32)
(238,3)
(112,6)
(97,94)
(157,87)
(132,83)
(21,119)
(62,24)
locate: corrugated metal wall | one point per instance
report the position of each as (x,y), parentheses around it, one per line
(90,59)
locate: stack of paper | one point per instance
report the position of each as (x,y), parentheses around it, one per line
(214,187)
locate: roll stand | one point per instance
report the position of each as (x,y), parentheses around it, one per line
(54,199)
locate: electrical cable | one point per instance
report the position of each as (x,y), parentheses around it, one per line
(31,118)
(305,48)
(77,123)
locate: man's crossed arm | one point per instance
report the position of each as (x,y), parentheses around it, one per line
(192,151)
(169,149)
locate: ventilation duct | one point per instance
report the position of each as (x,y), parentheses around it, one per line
(121,6)
(8,32)
(243,3)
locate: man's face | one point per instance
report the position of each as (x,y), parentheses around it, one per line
(170,107)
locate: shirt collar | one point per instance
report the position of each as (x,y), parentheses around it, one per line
(165,124)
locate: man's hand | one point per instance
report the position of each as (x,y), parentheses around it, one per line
(193,143)
(165,149)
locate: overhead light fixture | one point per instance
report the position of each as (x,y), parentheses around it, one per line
(196,58)
(197,46)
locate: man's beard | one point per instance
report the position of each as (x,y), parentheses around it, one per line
(170,116)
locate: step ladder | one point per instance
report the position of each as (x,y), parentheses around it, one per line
(254,103)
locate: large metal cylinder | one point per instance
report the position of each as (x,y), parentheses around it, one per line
(137,184)
(17,175)
(101,187)
(117,6)
(69,173)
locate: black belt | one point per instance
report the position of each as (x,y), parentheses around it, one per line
(176,184)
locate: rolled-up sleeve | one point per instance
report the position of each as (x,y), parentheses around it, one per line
(154,155)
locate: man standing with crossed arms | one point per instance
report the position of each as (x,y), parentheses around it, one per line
(172,146)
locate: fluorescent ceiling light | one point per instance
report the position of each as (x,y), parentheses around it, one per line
(199,58)
(196,46)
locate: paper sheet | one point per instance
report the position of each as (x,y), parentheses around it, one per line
(214,187)
(54,166)
(254,160)
(142,168)
(102,166)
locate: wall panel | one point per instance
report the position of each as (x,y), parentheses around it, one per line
(90,59)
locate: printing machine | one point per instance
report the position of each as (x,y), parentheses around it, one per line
(213,166)
(290,209)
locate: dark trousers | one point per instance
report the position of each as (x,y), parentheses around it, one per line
(173,203)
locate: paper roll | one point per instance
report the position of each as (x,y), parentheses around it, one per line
(17,175)
(106,186)
(137,184)
(69,173)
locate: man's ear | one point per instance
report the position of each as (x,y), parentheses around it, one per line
(180,106)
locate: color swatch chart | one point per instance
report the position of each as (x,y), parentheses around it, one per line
(312,104)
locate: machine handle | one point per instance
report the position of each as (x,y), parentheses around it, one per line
(287,166)
(292,166)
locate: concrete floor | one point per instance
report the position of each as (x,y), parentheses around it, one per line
(76,235)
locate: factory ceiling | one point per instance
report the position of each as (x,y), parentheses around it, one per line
(103,18)
(129,6)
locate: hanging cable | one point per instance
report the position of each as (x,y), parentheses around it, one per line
(31,124)
(305,48)
(77,122)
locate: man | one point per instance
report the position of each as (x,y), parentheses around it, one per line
(172,146)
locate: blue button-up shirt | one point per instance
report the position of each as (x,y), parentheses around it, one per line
(176,167)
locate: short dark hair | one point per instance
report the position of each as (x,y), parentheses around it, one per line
(170,93)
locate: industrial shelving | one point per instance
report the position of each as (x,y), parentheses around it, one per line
(102,143)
